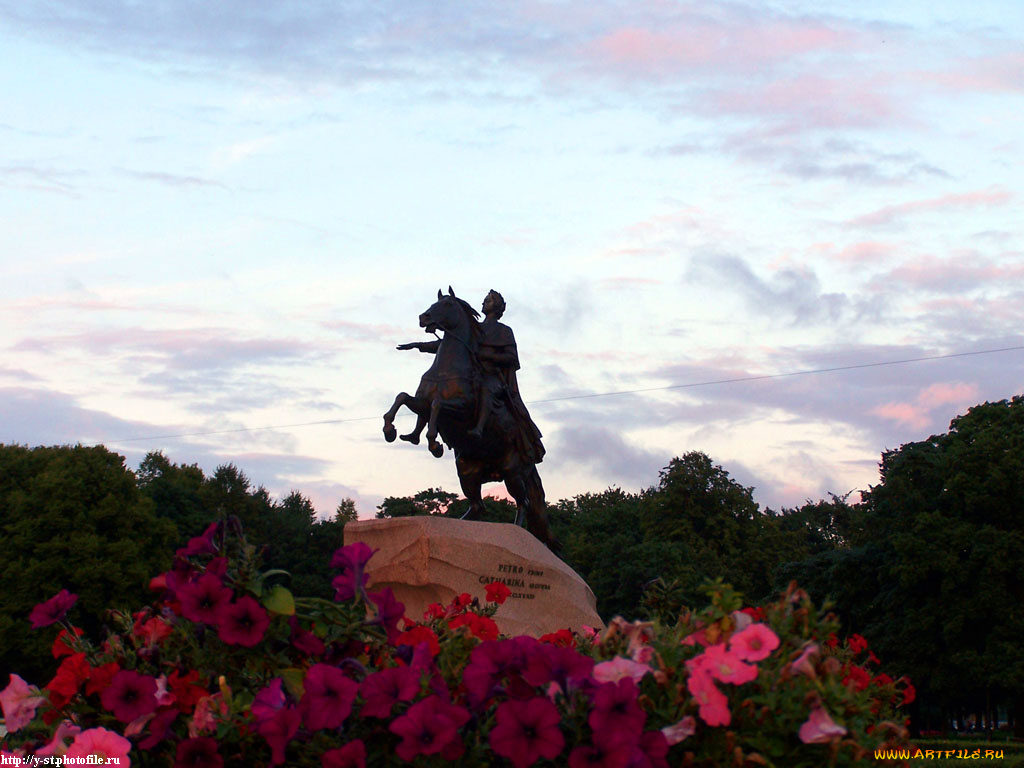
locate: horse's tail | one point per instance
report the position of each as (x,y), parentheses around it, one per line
(536,512)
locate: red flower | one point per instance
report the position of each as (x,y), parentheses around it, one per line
(152,631)
(243,623)
(101,677)
(53,610)
(434,611)
(328,699)
(909,693)
(61,644)
(756,613)
(420,634)
(428,727)
(479,626)
(882,679)
(461,601)
(857,643)
(527,731)
(831,641)
(616,716)
(352,755)
(204,599)
(278,730)
(187,690)
(857,677)
(562,637)
(496,592)
(382,690)
(71,673)
(130,695)
(198,753)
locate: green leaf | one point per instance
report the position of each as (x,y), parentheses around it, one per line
(280,600)
(293,681)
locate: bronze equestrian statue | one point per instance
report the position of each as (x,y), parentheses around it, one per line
(470,397)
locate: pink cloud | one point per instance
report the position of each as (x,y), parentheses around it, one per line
(919,414)
(958,273)
(727,38)
(1000,74)
(984,198)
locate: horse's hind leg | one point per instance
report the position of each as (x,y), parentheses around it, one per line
(414,436)
(516,486)
(435,447)
(414,405)
(469,479)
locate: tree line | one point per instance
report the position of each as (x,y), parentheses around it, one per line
(928,565)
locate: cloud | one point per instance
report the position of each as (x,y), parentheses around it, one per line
(918,413)
(959,274)
(893,214)
(172,179)
(608,454)
(44,179)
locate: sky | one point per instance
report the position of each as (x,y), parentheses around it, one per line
(223,217)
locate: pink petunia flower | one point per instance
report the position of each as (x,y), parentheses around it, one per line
(327,701)
(619,668)
(58,744)
(352,755)
(527,731)
(714,706)
(198,753)
(279,729)
(19,701)
(726,666)
(99,742)
(53,610)
(204,599)
(680,731)
(428,727)
(820,728)
(382,690)
(803,664)
(130,695)
(243,622)
(754,643)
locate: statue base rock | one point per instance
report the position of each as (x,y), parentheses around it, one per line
(432,559)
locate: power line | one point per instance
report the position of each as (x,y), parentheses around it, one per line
(664,388)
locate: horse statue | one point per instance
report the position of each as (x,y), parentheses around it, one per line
(487,437)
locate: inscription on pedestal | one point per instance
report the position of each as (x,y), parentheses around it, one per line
(516,577)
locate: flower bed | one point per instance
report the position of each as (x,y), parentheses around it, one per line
(228,668)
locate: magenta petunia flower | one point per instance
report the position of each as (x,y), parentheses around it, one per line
(382,690)
(305,641)
(204,544)
(593,756)
(352,560)
(278,730)
(268,701)
(19,701)
(754,643)
(389,611)
(328,698)
(200,752)
(204,599)
(494,661)
(99,742)
(428,727)
(243,622)
(53,610)
(527,731)
(159,727)
(651,751)
(352,755)
(616,716)
(552,663)
(130,695)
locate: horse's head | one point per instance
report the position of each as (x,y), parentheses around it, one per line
(448,313)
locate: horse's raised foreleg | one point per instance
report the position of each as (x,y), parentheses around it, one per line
(402,398)
(435,447)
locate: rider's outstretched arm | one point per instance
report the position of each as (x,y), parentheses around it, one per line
(422,346)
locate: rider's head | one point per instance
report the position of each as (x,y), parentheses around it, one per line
(497,302)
